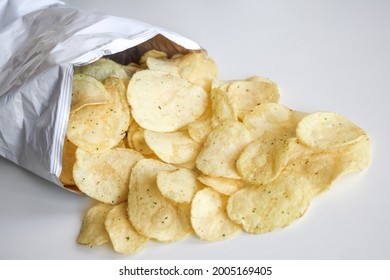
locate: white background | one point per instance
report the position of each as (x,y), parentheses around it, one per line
(325,55)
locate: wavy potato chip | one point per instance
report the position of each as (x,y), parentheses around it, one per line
(261,209)
(68,160)
(102,69)
(124,238)
(246,94)
(98,128)
(105,177)
(152,54)
(201,128)
(324,167)
(208,216)
(172,147)
(139,143)
(222,110)
(179,185)
(222,185)
(151,214)
(272,118)
(328,130)
(222,148)
(92,232)
(163,64)
(199,69)
(86,90)
(163,102)
(263,160)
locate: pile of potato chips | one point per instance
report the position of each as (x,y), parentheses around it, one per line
(166,149)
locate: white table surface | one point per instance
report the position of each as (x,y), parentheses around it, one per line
(325,55)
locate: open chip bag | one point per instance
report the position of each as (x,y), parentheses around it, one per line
(41,42)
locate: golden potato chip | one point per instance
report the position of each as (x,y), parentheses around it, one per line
(164,103)
(139,142)
(151,214)
(93,232)
(97,128)
(356,156)
(198,68)
(124,238)
(222,148)
(222,185)
(105,177)
(134,126)
(272,118)
(322,168)
(172,147)
(261,209)
(191,165)
(86,90)
(121,144)
(264,159)
(246,94)
(163,64)
(131,69)
(208,216)
(68,160)
(222,110)
(328,130)
(201,128)
(152,53)
(102,69)
(179,185)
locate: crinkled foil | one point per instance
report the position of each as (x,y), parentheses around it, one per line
(41,41)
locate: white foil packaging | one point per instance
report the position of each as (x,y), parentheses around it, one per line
(41,41)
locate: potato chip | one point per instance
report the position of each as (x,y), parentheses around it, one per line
(261,209)
(179,185)
(222,148)
(124,238)
(86,90)
(97,128)
(208,216)
(324,167)
(93,232)
(131,69)
(272,118)
(68,160)
(105,177)
(246,94)
(151,214)
(164,103)
(121,144)
(222,110)
(222,185)
(164,65)
(102,69)
(139,142)
(264,159)
(199,69)
(172,147)
(152,53)
(201,128)
(356,156)
(134,126)
(328,130)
